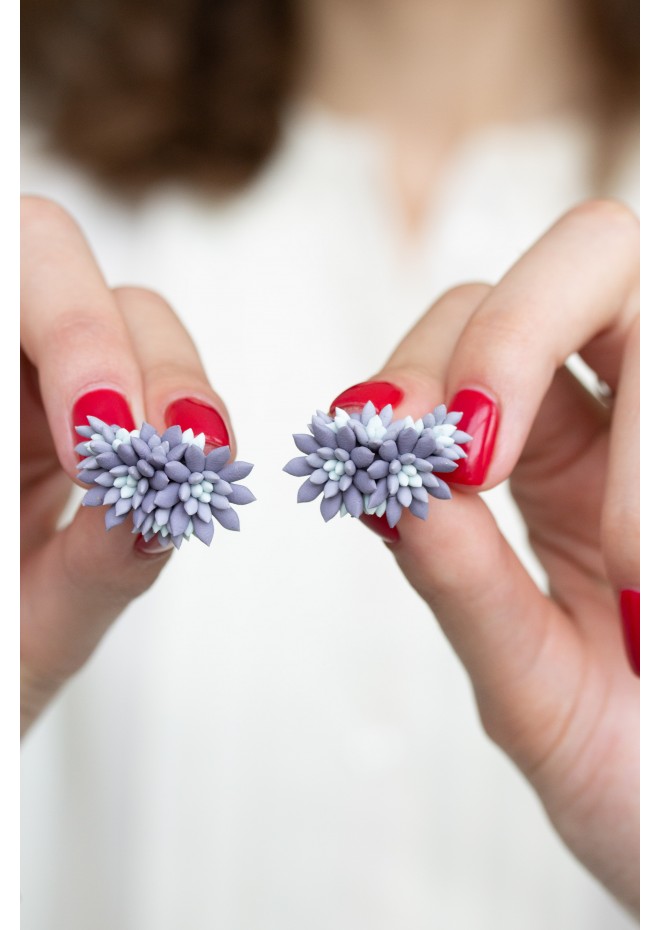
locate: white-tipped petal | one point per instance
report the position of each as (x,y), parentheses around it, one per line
(376,428)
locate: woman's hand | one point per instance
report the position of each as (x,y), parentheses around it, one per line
(551,679)
(121,355)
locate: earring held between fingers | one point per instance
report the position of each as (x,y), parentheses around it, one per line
(368,463)
(172,488)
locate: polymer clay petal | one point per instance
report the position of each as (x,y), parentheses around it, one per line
(308,491)
(305,443)
(217,458)
(330,507)
(241,495)
(94,496)
(298,467)
(235,471)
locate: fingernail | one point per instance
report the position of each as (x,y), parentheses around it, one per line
(480,419)
(380,393)
(153,547)
(189,413)
(109,406)
(380,526)
(629,604)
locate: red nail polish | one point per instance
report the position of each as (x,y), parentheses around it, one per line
(380,393)
(381,526)
(629,604)
(480,419)
(109,406)
(189,413)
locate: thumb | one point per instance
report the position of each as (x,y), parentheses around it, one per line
(74,586)
(521,651)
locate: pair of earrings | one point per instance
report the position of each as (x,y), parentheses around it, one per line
(363,462)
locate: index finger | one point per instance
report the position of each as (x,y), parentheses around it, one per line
(574,284)
(72,330)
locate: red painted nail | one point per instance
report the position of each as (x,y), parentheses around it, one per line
(109,406)
(381,526)
(380,393)
(629,604)
(480,420)
(189,413)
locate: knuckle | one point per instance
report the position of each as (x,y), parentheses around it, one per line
(80,326)
(503,333)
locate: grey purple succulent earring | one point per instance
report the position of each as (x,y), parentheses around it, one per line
(173,489)
(366,462)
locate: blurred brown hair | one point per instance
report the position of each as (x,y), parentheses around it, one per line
(141,90)
(145,90)
(611,29)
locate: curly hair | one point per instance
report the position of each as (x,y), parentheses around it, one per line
(145,90)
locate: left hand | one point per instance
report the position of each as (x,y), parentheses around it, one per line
(551,680)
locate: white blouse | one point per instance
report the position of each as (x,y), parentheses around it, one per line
(278,736)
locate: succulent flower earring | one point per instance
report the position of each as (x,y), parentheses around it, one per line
(366,462)
(173,489)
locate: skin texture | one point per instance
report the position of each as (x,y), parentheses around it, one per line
(550,675)
(77,335)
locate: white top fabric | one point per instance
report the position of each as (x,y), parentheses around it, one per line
(277,736)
